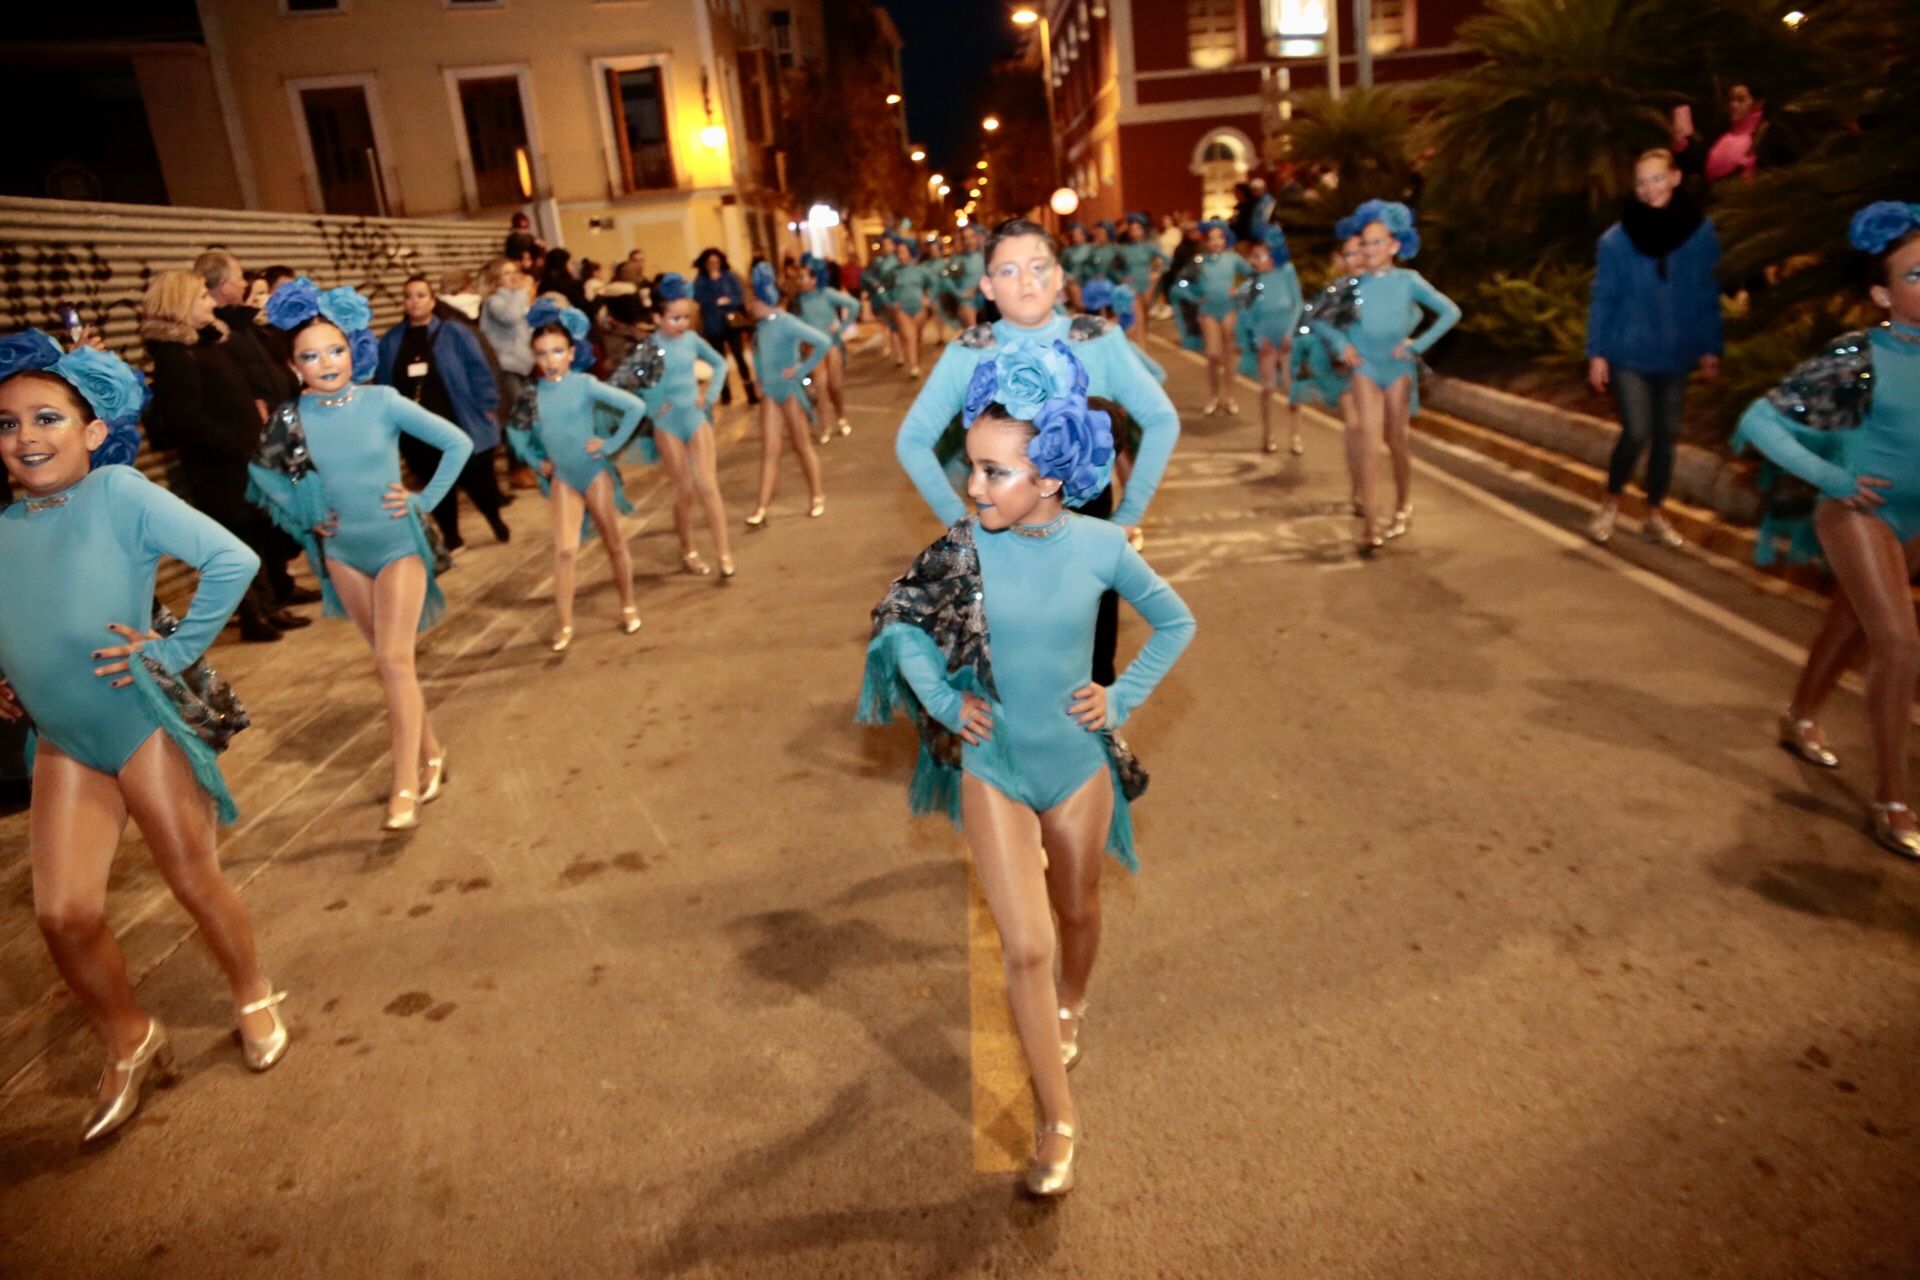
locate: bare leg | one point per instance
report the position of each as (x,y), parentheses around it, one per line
(1268,356)
(771,429)
(177,819)
(387,611)
(72,832)
(909,327)
(673,455)
(606,520)
(1399,444)
(803,447)
(1215,342)
(1004,837)
(1074,834)
(1871,567)
(836,363)
(1370,407)
(568,509)
(1834,650)
(703,467)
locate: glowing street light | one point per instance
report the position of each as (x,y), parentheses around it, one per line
(960,219)
(975,193)
(1064,201)
(714,136)
(945,189)
(893,99)
(980,164)
(936,180)
(1794,18)
(917,155)
(990,123)
(1025,17)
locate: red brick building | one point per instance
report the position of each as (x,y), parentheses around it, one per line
(1158,103)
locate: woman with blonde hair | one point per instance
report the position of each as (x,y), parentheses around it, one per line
(204,408)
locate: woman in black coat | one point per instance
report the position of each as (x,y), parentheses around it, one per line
(207,412)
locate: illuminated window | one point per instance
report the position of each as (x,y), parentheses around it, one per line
(1221,161)
(1294,28)
(1390,25)
(1213,33)
(496,137)
(638,100)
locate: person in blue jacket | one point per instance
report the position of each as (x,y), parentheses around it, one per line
(988,644)
(1846,422)
(1653,319)
(718,293)
(127,721)
(438,364)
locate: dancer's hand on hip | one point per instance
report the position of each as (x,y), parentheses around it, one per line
(10,708)
(123,652)
(1090,707)
(976,719)
(1868,497)
(397,500)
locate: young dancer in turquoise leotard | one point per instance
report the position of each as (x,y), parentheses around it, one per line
(329,476)
(576,463)
(831,311)
(910,283)
(1142,258)
(988,642)
(110,697)
(1381,350)
(1270,308)
(778,337)
(1220,271)
(1847,422)
(683,422)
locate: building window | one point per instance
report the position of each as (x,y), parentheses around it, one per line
(1213,33)
(313,6)
(345,159)
(781,23)
(1221,161)
(638,100)
(754,91)
(1389,25)
(1295,28)
(497,142)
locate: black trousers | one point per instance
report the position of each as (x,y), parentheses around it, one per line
(735,340)
(1106,625)
(477,481)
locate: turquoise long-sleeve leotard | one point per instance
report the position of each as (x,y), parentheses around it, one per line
(1138,257)
(679,386)
(1115,371)
(355,448)
(1389,311)
(1042,598)
(1275,304)
(973,267)
(776,348)
(1220,274)
(830,311)
(1073,260)
(1099,261)
(909,287)
(1886,444)
(565,424)
(71,563)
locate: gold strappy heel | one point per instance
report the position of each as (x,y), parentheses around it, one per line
(1044,1179)
(153,1058)
(263,1053)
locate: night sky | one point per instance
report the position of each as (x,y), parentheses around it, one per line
(946,47)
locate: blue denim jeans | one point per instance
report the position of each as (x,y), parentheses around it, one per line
(1650,406)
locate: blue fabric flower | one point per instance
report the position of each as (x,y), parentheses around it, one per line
(1106,225)
(30,349)
(672,287)
(365,349)
(1396,218)
(980,391)
(1881,223)
(1276,242)
(1030,373)
(583,354)
(1142,219)
(293,304)
(120,448)
(1074,445)
(765,287)
(1097,294)
(546,311)
(347,309)
(116,390)
(1347,228)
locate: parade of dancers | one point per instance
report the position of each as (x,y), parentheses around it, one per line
(786,410)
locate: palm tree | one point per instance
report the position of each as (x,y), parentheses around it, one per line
(1365,138)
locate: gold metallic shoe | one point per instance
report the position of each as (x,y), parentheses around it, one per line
(153,1058)
(1802,738)
(1401,522)
(758,520)
(846,428)
(1894,839)
(437,776)
(1070,1042)
(630,619)
(407,819)
(263,1053)
(561,639)
(726,567)
(1044,1179)
(818,509)
(1298,447)
(693,564)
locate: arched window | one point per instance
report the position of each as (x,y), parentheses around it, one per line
(1221,159)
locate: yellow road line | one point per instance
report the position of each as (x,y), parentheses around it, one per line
(1002,1101)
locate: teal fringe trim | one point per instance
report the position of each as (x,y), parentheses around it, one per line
(296,509)
(206,764)
(436,602)
(935,787)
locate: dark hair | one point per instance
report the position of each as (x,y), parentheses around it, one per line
(308,323)
(418,279)
(1013,228)
(275,274)
(997,412)
(551,326)
(556,262)
(700,262)
(82,409)
(588,266)
(1753,87)
(1878,268)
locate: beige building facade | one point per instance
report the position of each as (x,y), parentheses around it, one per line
(618,124)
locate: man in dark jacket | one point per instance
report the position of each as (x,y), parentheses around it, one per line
(439,365)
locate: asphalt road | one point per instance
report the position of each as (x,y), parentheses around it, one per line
(1483,932)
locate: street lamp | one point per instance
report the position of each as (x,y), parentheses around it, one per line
(893,99)
(936,180)
(990,123)
(917,155)
(945,189)
(1025,17)
(980,165)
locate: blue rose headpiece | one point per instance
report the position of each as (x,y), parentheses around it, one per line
(1097,294)
(546,311)
(300,300)
(1276,241)
(1396,218)
(1044,384)
(1346,229)
(1213,224)
(1142,219)
(672,287)
(1881,223)
(1106,225)
(115,390)
(765,287)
